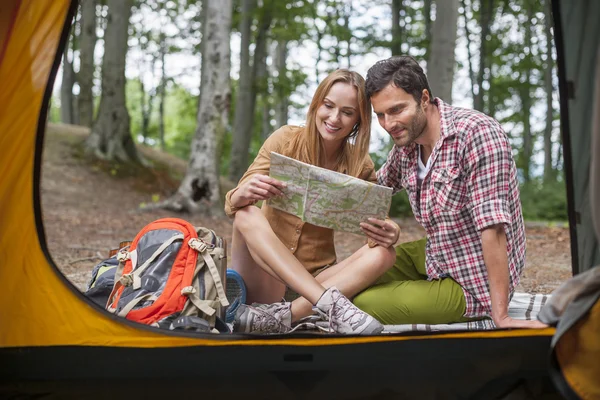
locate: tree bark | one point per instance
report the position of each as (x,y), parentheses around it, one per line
(486,11)
(87,46)
(396,45)
(526,103)
(428,24)
(281,107)
(162,92)
(246,103)
(243,110)
(469,55)
(111,138)
(199,191)
(66,90)
(548,68)
(440,66)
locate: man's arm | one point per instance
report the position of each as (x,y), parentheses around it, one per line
(493,241)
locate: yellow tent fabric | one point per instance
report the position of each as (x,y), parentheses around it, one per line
(578,353)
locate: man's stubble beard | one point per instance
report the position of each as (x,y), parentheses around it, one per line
(417,127)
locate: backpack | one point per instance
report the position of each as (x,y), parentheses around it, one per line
(102,281)
(172,276)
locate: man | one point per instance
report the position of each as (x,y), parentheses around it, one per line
(457,167)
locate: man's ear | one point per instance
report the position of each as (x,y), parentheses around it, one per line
(425,100)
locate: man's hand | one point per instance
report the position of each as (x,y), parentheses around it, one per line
(493,242)
(384,233)
(260,187)
(508,322)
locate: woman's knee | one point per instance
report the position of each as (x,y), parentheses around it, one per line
(247,217)
(384,257)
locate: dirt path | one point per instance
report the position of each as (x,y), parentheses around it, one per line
(89,208)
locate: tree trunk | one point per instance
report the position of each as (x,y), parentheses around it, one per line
(469,55)
(281,106)
(243,110)
(85,78)
(347,14)
(266,119)
(440,66)
(66,90)
(486,11)
(525,92)
(110,138)
(427,17)
(162,92)
(396,44)
(246,103)
(199,190)
(548,68)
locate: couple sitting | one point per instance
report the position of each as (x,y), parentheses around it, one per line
(458,170)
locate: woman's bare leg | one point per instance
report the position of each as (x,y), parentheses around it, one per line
(350,276)
(261,286)
(254,237)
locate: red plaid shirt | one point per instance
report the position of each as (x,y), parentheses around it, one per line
(472,184)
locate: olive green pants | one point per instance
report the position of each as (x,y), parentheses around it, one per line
(403,295)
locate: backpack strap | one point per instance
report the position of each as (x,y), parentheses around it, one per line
(202,248)
(129,306)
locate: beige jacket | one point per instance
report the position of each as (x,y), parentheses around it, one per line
(311,245)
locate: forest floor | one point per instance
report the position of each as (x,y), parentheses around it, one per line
(89,207)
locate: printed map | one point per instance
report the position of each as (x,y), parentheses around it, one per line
(326,198)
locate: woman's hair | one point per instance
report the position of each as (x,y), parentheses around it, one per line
(306,144)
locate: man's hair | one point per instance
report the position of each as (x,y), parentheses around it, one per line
(403,71)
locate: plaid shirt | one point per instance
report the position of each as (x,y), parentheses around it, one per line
(472,184)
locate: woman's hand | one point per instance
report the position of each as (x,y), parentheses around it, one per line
(384,233)
(260,187)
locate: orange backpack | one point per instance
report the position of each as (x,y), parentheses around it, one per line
(172,276)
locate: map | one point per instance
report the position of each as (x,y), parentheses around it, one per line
(326,198)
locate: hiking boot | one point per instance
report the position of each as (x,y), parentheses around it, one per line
(263,318)
(344,317)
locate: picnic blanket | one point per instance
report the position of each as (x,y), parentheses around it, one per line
(522,306)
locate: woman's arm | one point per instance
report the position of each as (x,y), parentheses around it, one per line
(255,184)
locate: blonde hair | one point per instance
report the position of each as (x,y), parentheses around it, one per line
(306,145)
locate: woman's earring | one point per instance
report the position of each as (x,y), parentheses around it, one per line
(354,131)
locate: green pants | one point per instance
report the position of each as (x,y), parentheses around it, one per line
(403,295)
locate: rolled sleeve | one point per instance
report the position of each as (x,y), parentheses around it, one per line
(492,212)
(489,176)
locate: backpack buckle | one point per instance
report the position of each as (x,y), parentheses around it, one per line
(199,245)
(123,255)
(126,280)
(186,291)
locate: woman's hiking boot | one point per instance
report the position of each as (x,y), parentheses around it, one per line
(344,317)
(263,318)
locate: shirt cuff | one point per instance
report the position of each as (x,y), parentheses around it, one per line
(230,210)
(493,212)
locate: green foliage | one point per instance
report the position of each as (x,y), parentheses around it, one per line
(54,110)
(181,108)
(544,201)
(400,205)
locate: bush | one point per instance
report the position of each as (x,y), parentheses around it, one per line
(400,205)
(544,201)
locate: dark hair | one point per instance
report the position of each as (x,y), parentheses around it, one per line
(404,71)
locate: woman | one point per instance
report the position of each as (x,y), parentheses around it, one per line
(272,249)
